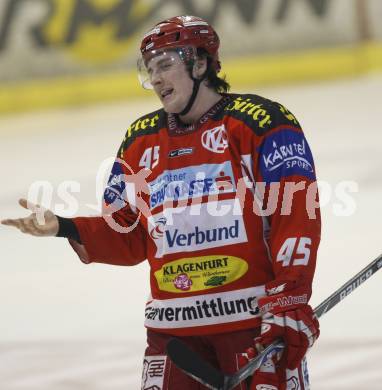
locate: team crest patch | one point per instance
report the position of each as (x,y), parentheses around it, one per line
(215,140)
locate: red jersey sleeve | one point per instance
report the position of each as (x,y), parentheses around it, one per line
(284,165)
(100,243)
(117,237)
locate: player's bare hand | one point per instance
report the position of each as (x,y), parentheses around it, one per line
(41,222)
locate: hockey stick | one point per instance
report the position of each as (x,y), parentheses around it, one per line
(193,365)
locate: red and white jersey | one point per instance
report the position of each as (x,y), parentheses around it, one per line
(192,201)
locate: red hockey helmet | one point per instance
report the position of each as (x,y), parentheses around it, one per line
(179,32)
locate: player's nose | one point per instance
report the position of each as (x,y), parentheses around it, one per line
(156,78)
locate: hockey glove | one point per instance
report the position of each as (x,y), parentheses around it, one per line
(265,377)
(286,315)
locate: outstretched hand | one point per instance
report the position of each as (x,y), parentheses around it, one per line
(41,222)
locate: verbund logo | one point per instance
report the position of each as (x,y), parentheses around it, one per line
(199,235)
(215,140)
(195,228)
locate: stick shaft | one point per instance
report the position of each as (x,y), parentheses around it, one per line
(348,287)
(320,310)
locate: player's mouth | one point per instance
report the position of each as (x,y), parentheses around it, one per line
(166,94)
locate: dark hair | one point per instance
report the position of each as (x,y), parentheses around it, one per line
(219,84)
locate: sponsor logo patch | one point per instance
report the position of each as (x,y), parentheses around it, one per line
(183,282)
(255,111)
(215,140)
(285,153)
(180,152)
(115,186)
(191,182)
(205,309)
(200,273)
(142,124)
(153,372)
(158,230)
(288,114)
(197,227)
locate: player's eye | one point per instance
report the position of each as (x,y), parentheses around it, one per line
(166,65)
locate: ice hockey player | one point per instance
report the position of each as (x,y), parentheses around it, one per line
(224,209)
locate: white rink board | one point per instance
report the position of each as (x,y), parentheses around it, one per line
(66,326)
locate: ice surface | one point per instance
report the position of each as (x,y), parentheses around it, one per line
(64,325)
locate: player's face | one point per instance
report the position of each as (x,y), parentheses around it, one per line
(171,81)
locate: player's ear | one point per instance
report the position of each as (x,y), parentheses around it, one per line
(200,67)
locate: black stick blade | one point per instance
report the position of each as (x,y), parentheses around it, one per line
(189,361)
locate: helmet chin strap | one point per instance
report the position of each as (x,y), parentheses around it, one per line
(195,90)
(191,101)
